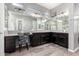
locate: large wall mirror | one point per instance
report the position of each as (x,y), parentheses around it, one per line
(59,23)
(16,22)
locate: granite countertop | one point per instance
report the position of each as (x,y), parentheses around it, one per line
(39,31)
(46,31)
(10,34)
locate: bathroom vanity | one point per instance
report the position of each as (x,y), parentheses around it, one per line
(40,38)
(10,42)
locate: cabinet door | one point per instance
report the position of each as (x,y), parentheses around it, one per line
(47,37)
(63,40)
(60,39)
(53,37)
(10,44)
(42,38)
(35,40)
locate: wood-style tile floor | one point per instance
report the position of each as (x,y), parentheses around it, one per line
(44,50)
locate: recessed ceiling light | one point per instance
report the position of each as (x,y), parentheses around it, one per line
(18,5)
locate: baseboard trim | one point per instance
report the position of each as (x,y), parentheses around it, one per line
(71,50)
(74,50)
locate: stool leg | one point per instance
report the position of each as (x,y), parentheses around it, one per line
(20,46)
(27,46)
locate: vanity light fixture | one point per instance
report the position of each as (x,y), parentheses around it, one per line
(66,13)
(44,20)
(59,20)
(35,15)
(76,17)
(63,14)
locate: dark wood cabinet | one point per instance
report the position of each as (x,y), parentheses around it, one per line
(47,37)
(35,39)
(10,43)
(39,38)
(60,39)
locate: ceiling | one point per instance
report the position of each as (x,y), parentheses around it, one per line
(49,5)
